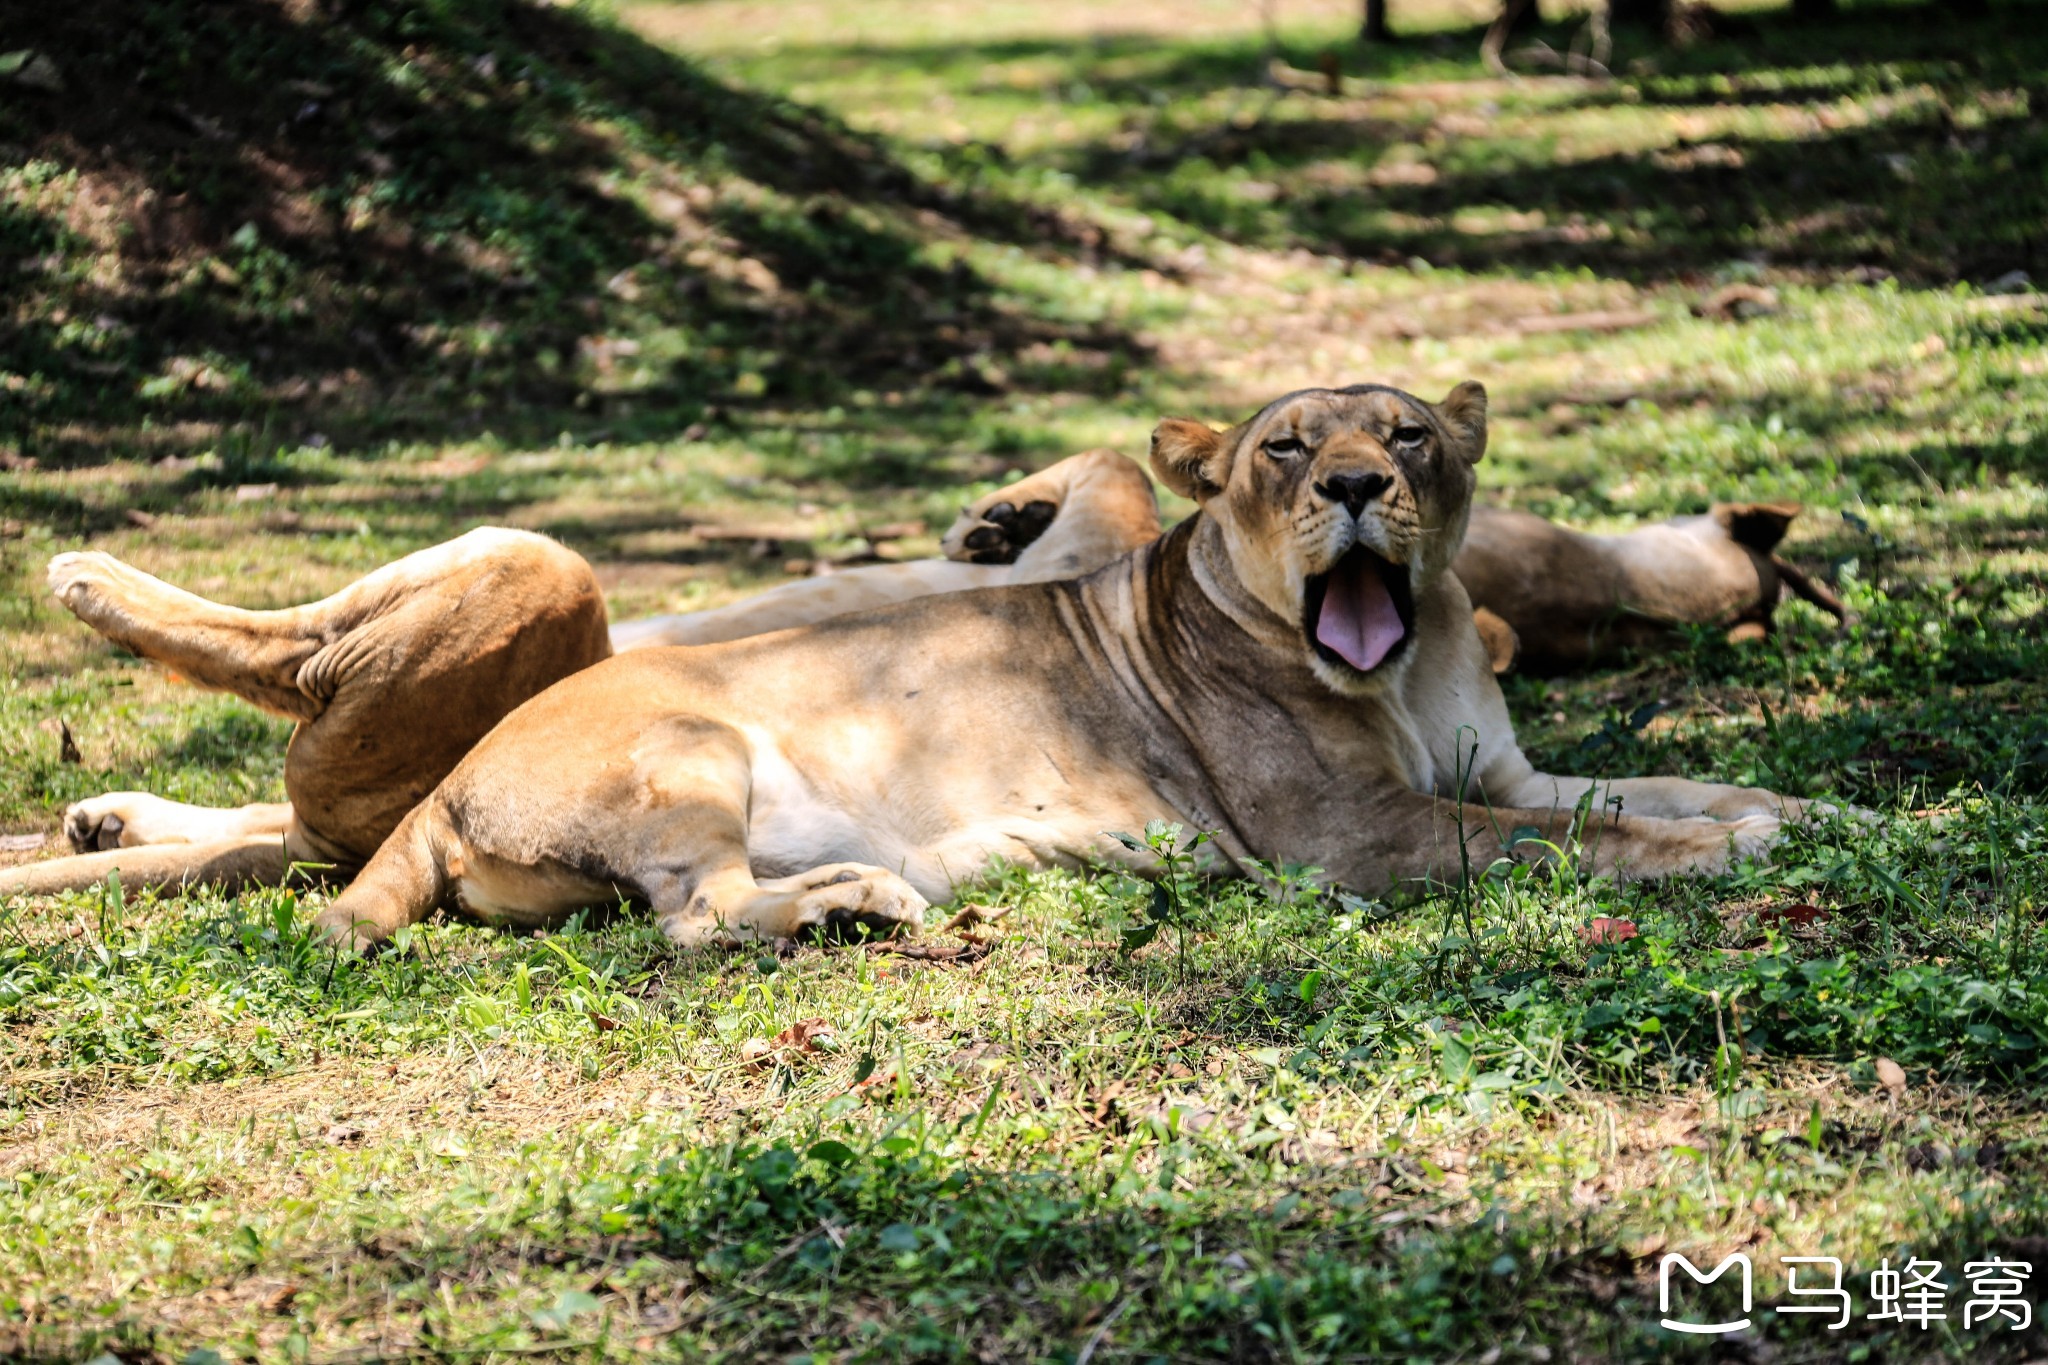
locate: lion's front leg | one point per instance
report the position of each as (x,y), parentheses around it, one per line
(1658,798)
(1417,838)
(836,900)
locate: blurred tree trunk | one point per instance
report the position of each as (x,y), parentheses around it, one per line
(1374,29)
(1654,15)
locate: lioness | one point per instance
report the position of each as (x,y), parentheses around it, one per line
(392,678)
(1293,667)
(395,677)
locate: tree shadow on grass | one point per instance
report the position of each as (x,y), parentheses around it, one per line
(1929,184)
(248,221)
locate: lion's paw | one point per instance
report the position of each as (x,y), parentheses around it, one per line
(841,900)
(97,823)
(74,574)
(836,903)
(1700,847)
(349,930)
(1792,810)
(93,586)
(1750,837)
(996,529)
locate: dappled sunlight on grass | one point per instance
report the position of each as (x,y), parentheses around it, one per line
(715,291)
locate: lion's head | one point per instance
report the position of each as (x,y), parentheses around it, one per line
(1336,508)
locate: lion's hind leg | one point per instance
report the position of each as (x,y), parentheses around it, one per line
(693,872)
(254,654)
(404,882)
(645,808)
(1064,521)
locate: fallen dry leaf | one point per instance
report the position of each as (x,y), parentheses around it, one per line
(604,1023)
(1605,930)
(279,1300)
(1800,914)
(973,916)
(811,1035)
(804,1037)
(1891,1075)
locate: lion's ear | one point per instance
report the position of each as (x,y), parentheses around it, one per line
(1501,641)
(1464,412)
(1190,458)
(1759,525)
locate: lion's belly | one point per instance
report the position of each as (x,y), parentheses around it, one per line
(934,833)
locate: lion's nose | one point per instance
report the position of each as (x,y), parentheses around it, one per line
(1355,490)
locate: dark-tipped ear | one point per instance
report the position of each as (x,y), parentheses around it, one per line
(1463,412)
(1759,525)
(1190,458)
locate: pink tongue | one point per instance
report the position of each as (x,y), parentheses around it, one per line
(1358,618)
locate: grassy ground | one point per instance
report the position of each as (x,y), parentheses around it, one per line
(721,286)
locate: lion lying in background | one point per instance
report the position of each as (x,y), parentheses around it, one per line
(393,684)
(1546,598)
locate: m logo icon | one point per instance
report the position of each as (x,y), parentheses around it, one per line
(1706,1328)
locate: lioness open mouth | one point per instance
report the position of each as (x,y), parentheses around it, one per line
(1361,612)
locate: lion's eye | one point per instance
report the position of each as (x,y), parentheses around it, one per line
(1285,447)
(1410,435)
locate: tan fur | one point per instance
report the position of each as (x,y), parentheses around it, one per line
(850,771)
(1574,599)
(1103,504)
(393,678)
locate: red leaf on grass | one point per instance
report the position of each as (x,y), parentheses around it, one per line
(791,1046)
(1605,930)
(1799,914)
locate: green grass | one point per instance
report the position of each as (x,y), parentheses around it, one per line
(809,269)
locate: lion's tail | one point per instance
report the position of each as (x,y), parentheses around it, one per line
(256,860)
(1814,591)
